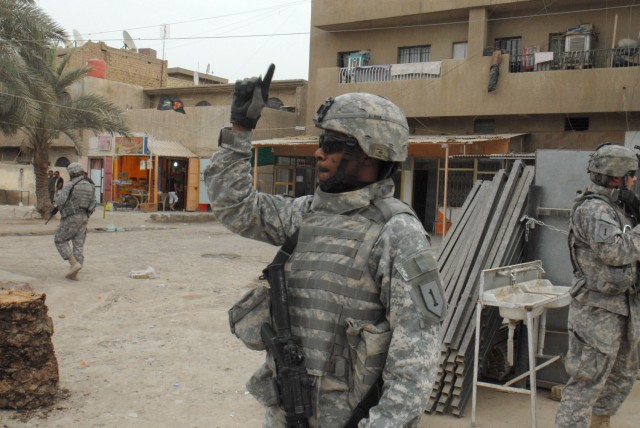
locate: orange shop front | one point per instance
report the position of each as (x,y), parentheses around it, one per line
(141,166)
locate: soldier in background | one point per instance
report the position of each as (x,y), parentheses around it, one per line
(604,325)
(76,202)
(364,289)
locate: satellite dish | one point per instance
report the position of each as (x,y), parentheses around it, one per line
(128,42)
(78,38)
(208,69)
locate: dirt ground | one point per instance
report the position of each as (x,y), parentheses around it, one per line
(158,352)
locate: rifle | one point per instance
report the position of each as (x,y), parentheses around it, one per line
(52,212)
(369,400)
(292,382)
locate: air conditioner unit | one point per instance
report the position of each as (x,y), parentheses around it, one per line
(578,42)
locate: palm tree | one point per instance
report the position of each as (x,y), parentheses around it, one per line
(26,35)
(34,95)
(67,115)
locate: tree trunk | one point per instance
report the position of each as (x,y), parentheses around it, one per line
(28,366)
(40,168)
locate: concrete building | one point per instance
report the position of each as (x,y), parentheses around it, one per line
(130,171)
(568,73)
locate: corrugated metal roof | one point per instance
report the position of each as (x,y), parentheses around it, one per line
(458,139)
(287,141)
(499,156)
(413,139)
(170,149)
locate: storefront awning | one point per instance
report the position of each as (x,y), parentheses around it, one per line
(170,149)
(430,146)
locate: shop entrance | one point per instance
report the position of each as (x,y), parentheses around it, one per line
(174,170)
(185,173)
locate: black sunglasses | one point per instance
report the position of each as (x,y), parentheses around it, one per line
(631,174)
(332,144)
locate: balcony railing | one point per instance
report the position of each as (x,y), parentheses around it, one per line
(576,60)
(381,73)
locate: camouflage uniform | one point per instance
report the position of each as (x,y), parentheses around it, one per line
(603,315)
(74,206)
(397,264)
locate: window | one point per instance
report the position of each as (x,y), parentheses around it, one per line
(414,54)
(512,46)
(576,123)
(343,58)
(484,126)
(460,50)
(62,162)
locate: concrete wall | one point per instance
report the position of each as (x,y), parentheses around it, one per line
(15,177)
(127,96)
(199,128)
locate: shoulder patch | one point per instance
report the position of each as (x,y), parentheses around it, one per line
(433,299)
(605,232)
(421,271)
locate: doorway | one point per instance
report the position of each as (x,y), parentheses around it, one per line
(425,185)
(96,174)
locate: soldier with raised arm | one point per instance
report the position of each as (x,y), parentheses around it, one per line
(364,293)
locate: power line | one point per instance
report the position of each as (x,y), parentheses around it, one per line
(271,8)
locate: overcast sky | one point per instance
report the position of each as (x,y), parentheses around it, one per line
(234,38)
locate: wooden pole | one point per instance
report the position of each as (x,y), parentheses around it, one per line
(255,167)
(613,39)
(446,189)
(155,174)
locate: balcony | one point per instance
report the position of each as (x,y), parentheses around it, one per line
(460,89)
(575,60)
(388,72)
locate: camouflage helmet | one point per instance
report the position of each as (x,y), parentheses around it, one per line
(378,124)
(612,160)
(75,169)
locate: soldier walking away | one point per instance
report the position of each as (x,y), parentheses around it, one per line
(363,290)
(604,315)
(76,202)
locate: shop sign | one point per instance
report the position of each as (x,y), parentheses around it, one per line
(131,146)
(104,142)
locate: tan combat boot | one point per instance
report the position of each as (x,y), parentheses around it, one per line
(599,421)
(74,268)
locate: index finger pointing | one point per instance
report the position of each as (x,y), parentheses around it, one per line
(266,82)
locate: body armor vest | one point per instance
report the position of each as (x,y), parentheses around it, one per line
(330,286)
(613,280)
(81,198)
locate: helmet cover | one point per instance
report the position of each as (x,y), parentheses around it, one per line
(378,124)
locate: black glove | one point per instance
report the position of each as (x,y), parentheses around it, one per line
(629,200)
(249,98)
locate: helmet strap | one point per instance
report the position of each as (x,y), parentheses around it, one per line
(339,182)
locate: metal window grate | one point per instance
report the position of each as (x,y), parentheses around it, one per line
(412,54)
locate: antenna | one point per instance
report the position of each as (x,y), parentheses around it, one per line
(78,38)
(128,42)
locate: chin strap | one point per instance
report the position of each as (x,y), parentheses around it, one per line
(339,176)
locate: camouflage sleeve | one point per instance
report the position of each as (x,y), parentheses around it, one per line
(235,202)
(596,223)
(411,290)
